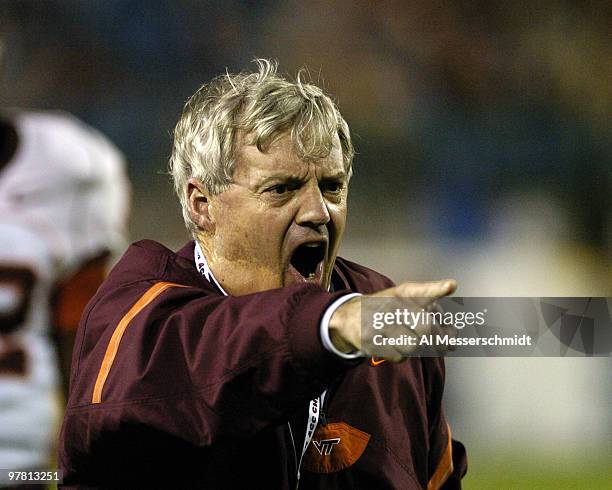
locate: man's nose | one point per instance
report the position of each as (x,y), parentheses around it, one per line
(313,208)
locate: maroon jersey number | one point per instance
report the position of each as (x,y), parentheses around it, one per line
(16,285)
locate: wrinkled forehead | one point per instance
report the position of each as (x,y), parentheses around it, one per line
(282,155)
(307,143)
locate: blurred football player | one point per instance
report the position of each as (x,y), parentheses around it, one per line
(63,209)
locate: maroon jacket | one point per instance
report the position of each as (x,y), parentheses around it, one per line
(174,385)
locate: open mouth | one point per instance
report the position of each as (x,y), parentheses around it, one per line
(307,258)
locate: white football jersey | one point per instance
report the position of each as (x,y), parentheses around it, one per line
(63,201)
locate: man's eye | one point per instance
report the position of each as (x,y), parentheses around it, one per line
(333,187)
(280,189)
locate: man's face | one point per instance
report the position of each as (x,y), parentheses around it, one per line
(280,222)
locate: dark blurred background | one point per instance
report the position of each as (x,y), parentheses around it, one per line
(483,144)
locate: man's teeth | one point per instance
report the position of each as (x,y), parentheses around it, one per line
(311,275)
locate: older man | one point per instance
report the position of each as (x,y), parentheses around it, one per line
(237,361)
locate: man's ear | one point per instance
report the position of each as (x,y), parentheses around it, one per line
(198,202)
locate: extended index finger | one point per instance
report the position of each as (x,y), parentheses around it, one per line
(424,293)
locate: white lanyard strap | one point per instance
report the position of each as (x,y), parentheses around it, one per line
(314,410)
(202,266)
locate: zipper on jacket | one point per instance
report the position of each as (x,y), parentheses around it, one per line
(322,410)
(295,457)
(327,396)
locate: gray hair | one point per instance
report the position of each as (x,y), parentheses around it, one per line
(262,105)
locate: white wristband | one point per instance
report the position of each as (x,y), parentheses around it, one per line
(324,329)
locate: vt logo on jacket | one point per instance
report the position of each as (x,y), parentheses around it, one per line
(334,447)
(325,446)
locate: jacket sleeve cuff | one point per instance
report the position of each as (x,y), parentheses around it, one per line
(305,344)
